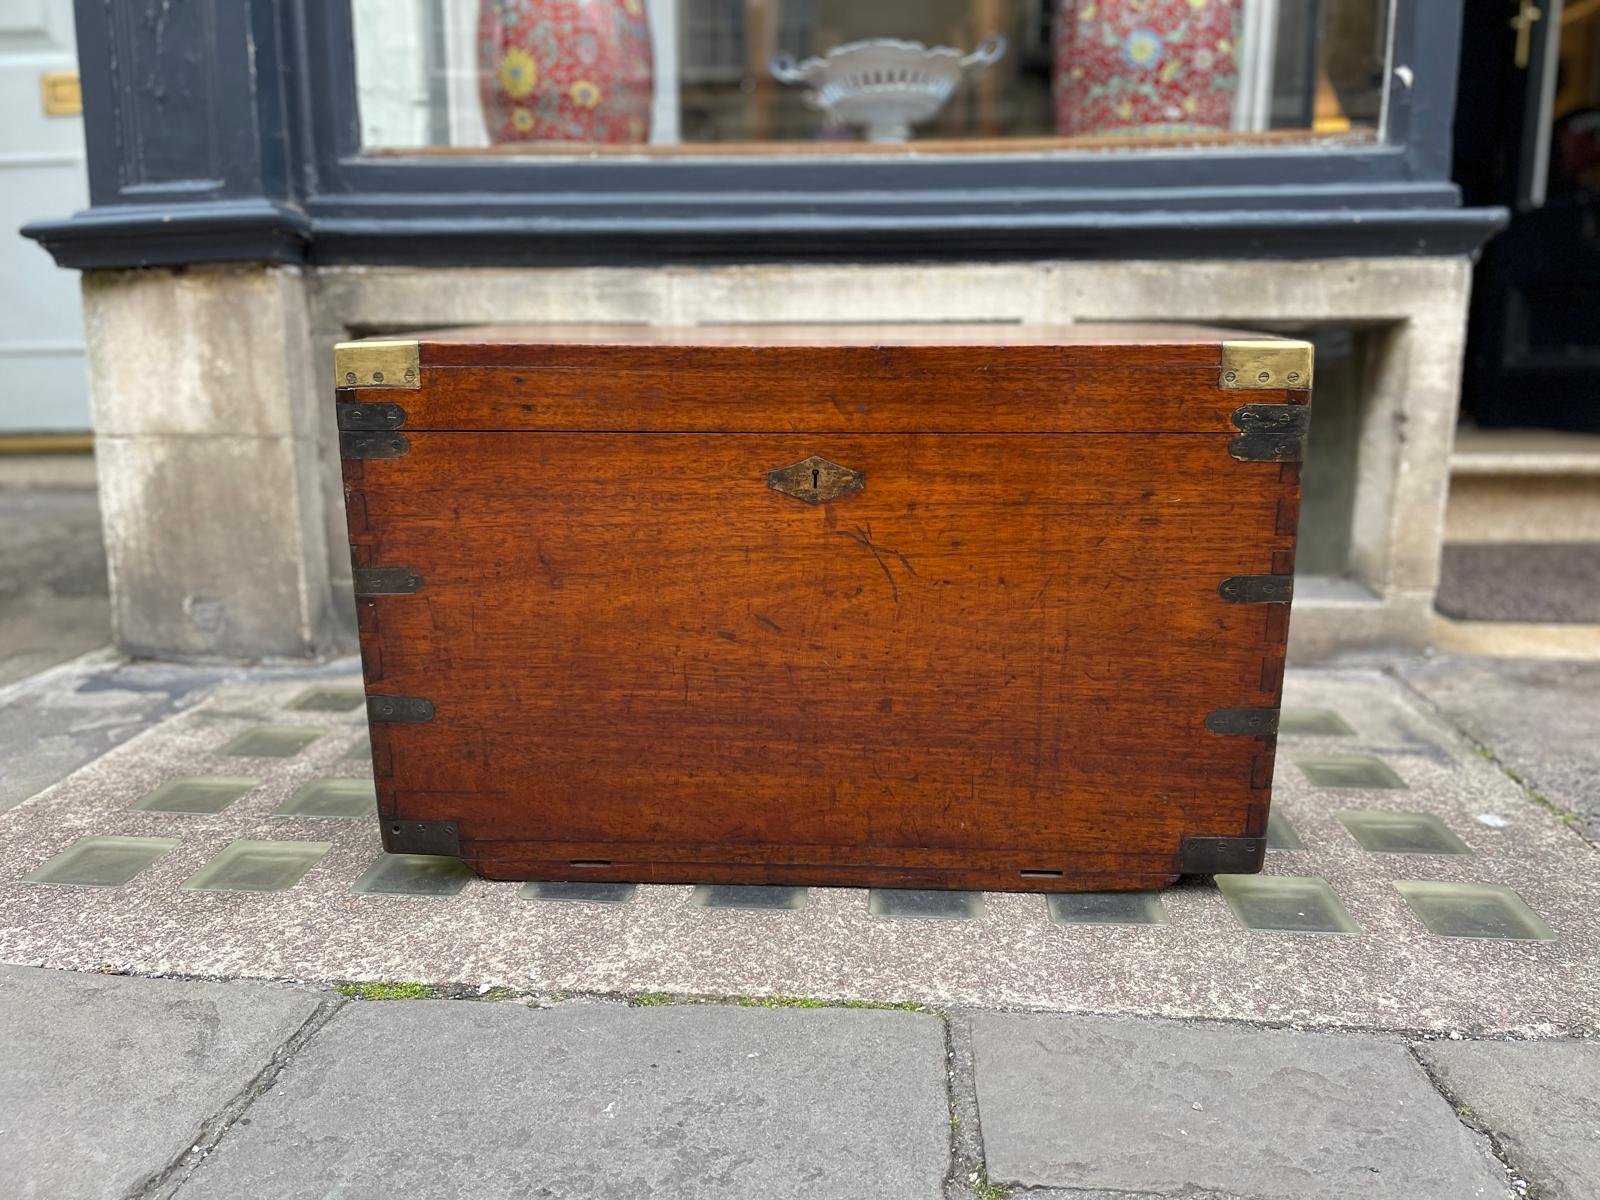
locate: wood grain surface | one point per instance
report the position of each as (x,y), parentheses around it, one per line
(989,667)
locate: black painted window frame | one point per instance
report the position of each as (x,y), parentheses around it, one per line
(228,130)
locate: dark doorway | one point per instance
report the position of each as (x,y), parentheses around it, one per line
(1527,135)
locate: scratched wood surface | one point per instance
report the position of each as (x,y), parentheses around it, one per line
(989,667)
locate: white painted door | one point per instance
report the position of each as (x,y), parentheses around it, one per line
(42,384)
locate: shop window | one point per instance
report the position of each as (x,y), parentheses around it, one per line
(710,76)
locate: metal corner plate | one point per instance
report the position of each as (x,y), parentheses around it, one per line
(1222,855)
(377,363)
(421,837)
(1262,364)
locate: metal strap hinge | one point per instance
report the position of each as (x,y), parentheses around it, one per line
(1254,722)
(1257,589)
(373,445)
(410,710)
(387,581)
(370,416)
(1270,432)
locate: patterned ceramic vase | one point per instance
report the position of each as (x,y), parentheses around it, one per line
(1146,66)
(565,70)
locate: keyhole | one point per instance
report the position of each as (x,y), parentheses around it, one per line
(816,475)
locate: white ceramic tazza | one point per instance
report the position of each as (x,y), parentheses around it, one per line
(885,86)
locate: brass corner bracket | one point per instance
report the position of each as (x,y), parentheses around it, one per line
(377,363)
(1265,363)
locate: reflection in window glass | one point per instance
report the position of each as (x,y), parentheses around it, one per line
(552,74)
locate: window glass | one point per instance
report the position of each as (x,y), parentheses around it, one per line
(551,75)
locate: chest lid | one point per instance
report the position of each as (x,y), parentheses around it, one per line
(798,378)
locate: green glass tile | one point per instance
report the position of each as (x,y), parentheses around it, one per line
(329,699)
(1280,834)
(753,898)
(1348,771)
(1473,910)
(414,875)
(271,741)
(1401,832)
(101,861)
(1108,908)
(361,749)
(1286,904)
(578,891)
(246,865)
(332,798)
(1313,722)
(924,905)
(197,794)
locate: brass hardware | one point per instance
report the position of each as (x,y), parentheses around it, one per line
(377,363)
(1528,15)
(1265,363)
(1257,589)
(62,93)
(816,480)
(1252,722)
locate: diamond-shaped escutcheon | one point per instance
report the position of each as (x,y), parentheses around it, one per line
(815,480)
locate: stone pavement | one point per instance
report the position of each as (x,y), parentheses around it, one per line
(54,603)
(1404,1004)
(127,1087)
(1539,719)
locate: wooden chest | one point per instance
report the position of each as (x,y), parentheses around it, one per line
(928,606)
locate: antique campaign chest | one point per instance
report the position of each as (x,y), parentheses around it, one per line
(981,606)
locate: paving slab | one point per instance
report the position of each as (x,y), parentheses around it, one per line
(1538,717)
(456,1098)
(60,719)
(1158,1107)
(107,1080)
(54,603)
(1537,1100)
(1392,974)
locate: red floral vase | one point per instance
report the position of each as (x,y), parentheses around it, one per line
(1146,66)
(565,70)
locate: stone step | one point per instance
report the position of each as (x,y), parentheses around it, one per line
(1523,485)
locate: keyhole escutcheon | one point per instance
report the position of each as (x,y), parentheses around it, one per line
(816,478)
